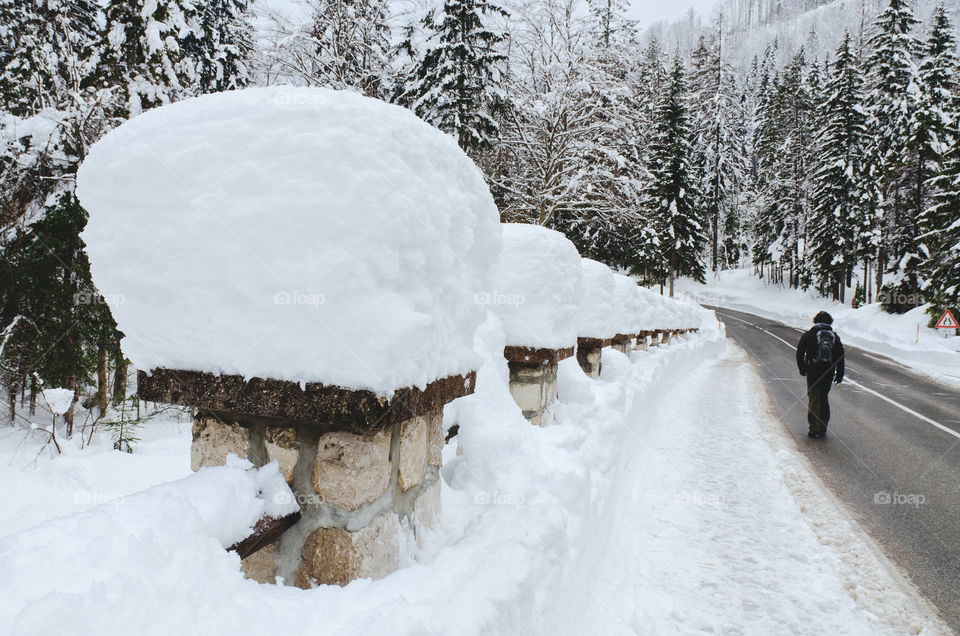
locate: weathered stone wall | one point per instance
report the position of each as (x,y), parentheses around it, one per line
(359,495)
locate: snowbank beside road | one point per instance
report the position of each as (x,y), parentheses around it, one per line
(517,506)
(867,327)
(720,526)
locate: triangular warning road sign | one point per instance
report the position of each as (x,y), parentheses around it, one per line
(947,321)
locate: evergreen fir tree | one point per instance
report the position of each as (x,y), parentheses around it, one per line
(719,139)
(836,209)
(351,41)
(942,269)
(457,81)
(891,105)
(153,57)
(934,133)
(225,45)
(672,196)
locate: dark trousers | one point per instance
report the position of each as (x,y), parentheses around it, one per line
(818,411)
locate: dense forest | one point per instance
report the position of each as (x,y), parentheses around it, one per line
(823,162)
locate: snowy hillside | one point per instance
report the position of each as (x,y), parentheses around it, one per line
(750,27)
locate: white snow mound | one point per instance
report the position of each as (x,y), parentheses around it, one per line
(538,287)
(595,316)
(292,233)
(630,313)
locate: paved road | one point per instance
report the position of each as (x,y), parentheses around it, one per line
(892,452)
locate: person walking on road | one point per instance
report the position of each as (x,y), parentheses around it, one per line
(820,360)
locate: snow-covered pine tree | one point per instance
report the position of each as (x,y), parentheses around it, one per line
(225,45)
(784,135)
(152,56)
(934,131)
(673,197)
(48,53)
(350,42)
(718,140)
(893,87)
(458,79)
(836,198)
(607,224)
(942,269)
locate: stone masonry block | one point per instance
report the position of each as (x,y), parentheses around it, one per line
(437,438)
(352,469)
(281,443)
(213,440)
(334,556)
(261,566)
(413,451)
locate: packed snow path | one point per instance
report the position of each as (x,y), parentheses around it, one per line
(716,525)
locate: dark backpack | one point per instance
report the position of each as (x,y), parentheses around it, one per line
(825,341)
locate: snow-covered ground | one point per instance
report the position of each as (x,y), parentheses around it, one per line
(717,525)
(867,327)
(658,500)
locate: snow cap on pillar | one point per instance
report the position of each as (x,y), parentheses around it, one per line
(595,314)
(537,288)
(298,234)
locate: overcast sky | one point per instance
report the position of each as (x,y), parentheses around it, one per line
(650,11)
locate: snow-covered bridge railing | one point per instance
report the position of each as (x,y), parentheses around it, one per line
(333,259)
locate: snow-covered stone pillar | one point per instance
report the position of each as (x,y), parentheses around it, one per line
(540,280)
(642,340)
(590,353)
(595,324)
(365,470)
(631,314)
(317,308)
(621,342)
(533,379)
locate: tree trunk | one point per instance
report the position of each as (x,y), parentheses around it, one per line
(68,416)
(12,394)
(120,381)
(102,378)
(881,263)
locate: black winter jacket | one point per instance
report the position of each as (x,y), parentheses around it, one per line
(821,372)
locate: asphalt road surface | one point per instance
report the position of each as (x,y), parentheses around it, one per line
(892,451)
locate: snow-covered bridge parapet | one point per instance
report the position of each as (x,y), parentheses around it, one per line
(301,267)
